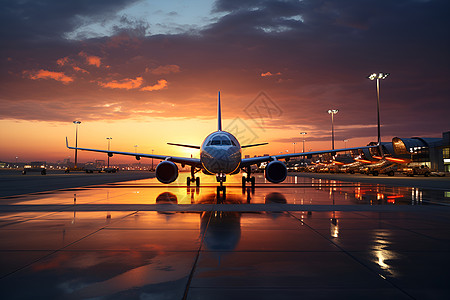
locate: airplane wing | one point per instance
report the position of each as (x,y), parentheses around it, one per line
(182,160)
(257,160)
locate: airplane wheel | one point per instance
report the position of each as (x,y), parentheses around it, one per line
(188,181)
(197,182)
(243,182)
(24,172)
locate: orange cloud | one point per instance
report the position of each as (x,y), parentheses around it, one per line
(62,61)
(162,84)
(127,83)
(167,69)
(78,69)
(45,74)
(269,74)
(91,60)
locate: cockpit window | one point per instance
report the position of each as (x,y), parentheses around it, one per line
(221,140)
(215,141)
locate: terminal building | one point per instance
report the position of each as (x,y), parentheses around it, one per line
(432,152)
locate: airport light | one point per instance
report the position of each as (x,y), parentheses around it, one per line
(332,112)
(378,76)
(303,133)
(76,140)
(109,142)
(152,158)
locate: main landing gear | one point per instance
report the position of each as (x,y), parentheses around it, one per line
(193,178)
(249,178)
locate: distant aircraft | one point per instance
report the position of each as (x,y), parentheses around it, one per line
(220,155)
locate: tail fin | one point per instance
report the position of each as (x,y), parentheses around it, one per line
(219,114)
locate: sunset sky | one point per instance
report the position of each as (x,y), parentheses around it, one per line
(147,72)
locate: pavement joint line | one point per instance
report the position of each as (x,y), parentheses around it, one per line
(191,274)
(220,207)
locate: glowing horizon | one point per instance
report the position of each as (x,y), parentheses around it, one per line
(148,73)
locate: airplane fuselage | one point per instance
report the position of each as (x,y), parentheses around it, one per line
(220,153)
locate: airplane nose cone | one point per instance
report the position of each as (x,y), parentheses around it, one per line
(220,160)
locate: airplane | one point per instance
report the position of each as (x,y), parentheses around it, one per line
(220,155)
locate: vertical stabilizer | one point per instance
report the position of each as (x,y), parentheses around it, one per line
(219,115)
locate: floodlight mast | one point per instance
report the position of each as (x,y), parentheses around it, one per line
(303,134)
(109,142)
(76,141)
(332,112)
(378,76)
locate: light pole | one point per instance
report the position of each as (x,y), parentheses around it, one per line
(135,151)
(345,144)
(294,146)
(332,112)
(76,140)
(378,76)
(303,133)
(109,141)
(152,158)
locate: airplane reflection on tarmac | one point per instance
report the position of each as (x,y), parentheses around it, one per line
(221,230)
(224,228)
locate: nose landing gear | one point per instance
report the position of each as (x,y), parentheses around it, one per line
(221,178)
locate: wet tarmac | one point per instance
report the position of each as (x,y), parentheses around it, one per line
(306,238)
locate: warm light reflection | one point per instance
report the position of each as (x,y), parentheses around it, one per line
(416,196)
(334,228)
(383,256)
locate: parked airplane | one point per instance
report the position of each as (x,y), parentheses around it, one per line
(220,155)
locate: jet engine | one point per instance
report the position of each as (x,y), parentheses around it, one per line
(166,172)
(275,171)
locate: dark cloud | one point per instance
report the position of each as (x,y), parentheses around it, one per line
(322,51)
(51,19)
